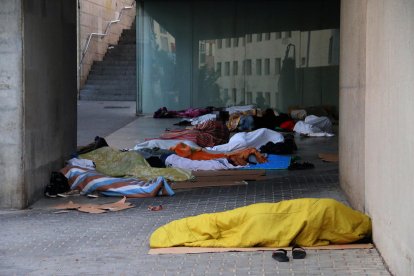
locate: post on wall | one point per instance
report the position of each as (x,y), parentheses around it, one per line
(140,49)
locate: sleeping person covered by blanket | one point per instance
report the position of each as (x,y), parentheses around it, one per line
(304,222)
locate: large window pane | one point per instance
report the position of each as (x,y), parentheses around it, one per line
(275,54)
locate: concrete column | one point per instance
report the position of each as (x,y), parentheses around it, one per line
(389,130)
(11,109)
(352,101)
(376,129)
(37,95)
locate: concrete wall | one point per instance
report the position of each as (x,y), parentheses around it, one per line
(94,16)
(38,95)
(352,101)
(11,98)
(385,149)
(389,143)
(49,90)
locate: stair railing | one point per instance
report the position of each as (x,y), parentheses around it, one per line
(101,35)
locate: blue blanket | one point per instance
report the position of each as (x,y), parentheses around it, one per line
(274,162)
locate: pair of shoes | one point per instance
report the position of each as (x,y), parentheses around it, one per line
(280,255)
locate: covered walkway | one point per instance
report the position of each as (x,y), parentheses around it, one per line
(37,241)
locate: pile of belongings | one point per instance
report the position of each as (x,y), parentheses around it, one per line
(152,166)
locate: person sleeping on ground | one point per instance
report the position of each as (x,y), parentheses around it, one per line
(304,222)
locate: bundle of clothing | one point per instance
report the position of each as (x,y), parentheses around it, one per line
(267,119)
(314,126)
(163,112)
(206,134)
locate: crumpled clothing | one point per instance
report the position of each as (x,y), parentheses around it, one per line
(207,134)
(176,161)
(83,163)
(239,157)
(202,119)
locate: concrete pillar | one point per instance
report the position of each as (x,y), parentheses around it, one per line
(376,139)
(11,108)
(389,142)
(352,101)
(38,95)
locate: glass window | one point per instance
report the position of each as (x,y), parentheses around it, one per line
(303,61)
(249,97)
(235,68)
(236,42)
(162,30)
(219,43)
(267,66)
(277,66)
(228,42)
(258,67)
(267,98)
(218,68)
(248,67)
(227,68)
(243,97)
(225,96)
(175,73)
(234,95)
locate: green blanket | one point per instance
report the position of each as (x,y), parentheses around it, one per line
(115,163)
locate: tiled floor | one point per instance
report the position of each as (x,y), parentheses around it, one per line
(39,242)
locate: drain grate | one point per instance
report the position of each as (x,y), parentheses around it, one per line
(112,106)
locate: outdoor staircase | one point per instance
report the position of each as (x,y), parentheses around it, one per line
(114,78)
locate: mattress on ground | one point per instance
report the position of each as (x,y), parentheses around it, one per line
(306,222)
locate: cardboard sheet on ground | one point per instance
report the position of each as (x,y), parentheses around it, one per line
(220,178)
(274,162)
(95,208)
(199,250)
(329,157)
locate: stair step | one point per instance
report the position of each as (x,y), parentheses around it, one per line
(114,78)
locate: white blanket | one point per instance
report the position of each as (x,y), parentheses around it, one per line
(163,144)
(239,108)
(253,139)
(202,119)
(314,126)
(176,161)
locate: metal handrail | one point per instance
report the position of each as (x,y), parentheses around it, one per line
(88,41)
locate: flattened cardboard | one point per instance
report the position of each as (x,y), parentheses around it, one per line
(67,206)
(96,208)
(199,250)
(329,157)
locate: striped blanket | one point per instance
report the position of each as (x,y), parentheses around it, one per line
(88,181)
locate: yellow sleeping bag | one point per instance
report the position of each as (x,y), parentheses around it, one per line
(306,222)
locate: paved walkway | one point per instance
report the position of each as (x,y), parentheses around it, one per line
(37,241)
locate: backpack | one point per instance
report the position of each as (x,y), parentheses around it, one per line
(58,184)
